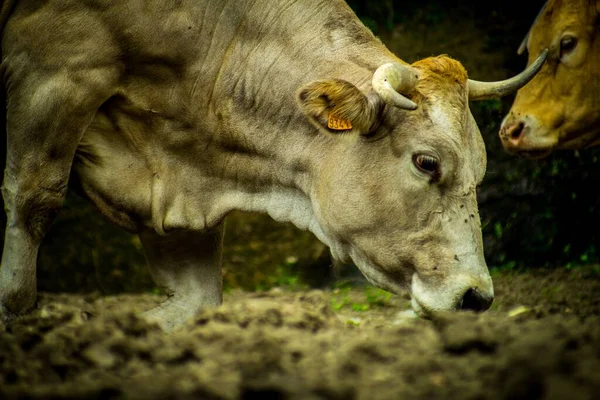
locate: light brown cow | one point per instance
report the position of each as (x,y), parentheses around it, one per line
(560,108)
(170,114)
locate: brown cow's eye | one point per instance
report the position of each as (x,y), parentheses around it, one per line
(427,164)
(567,45)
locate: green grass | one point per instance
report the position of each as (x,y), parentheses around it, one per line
(372,297)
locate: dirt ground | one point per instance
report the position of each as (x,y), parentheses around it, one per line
(541,339)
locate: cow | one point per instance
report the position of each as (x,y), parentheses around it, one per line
(560,108)
(169,114)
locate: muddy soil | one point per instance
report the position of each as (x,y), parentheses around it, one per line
(541,339)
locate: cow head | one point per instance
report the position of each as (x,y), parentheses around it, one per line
(396,192)
(560,108)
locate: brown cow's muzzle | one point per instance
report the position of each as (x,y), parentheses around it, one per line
(518,137)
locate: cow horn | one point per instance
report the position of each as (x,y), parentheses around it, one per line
(491,90)
(392,79)
(525,41)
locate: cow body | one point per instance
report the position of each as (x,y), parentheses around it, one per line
(170,114)
(560,109)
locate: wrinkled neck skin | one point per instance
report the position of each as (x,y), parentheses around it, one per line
(266,153)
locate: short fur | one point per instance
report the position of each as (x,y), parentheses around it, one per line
(441,76)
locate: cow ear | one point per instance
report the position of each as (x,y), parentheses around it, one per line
(337,106)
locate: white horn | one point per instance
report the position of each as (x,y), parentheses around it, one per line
(392,79)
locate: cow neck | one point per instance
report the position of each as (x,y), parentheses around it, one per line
(273,154)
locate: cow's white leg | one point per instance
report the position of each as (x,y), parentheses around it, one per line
(46,117)
(187,265)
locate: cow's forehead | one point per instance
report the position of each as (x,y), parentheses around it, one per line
(558,8)
(443,117)
(442,96)
(559,15)
(442,87)
(439,72)
(440,123)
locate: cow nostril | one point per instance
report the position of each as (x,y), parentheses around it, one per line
(516,131)
(475,301)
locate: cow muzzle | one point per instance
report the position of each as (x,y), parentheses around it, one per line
(464,295)
(521,136)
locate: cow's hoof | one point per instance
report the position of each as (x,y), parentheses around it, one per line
(171,314)
(166,321)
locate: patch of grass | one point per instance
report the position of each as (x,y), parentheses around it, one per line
(283,277)
(495,306)
(360,306)
(340,297)
(157,291)
(373,297)
(377,297)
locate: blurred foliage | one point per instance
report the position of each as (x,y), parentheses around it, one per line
(260,254)
(534,213)
(386,14)
(537,213)
(83,252)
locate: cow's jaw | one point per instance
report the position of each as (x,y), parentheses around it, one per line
(428,301)
(378,276)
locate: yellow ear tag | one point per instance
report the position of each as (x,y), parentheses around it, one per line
(335,123)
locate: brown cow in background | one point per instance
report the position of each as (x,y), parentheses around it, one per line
(560,108)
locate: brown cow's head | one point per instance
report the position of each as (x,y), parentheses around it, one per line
(396,193)
(560,108)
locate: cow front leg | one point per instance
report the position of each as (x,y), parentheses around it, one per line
(46,117)
(187,265)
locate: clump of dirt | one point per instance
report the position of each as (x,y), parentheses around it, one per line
(541,340)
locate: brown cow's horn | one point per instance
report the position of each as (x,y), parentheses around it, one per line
(392,79)
(492,90)
(525,42)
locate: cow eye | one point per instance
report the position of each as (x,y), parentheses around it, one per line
(567,45)
(428,165)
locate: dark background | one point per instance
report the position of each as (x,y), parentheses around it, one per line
(534,213)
